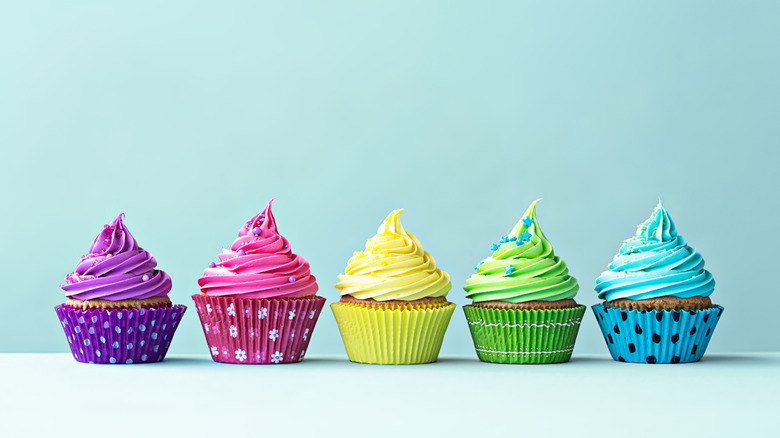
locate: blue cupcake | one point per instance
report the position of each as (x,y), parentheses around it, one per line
(657,307)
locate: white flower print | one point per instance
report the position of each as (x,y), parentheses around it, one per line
(206,327)
(214,351)
(233,331)
(208,308)
(231,310)
(241,355)
(259,356)
(292,314)
(262,313)
(311,315)
(305,334)
(277,357)
(273,334)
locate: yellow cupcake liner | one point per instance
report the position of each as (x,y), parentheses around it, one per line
(396,335)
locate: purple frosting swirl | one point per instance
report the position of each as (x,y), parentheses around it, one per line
(116,268)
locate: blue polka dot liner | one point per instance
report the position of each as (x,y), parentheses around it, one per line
(657,336)
(119,336)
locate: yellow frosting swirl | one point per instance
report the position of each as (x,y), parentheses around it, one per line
(393,267)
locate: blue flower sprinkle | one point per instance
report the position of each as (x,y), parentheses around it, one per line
(494,247)
(527,221)
(526,235)
(509,269)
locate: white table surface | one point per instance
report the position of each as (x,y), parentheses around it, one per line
(189,395)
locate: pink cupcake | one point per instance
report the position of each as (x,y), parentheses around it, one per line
(258,304)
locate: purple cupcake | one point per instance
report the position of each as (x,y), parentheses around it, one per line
(117,308)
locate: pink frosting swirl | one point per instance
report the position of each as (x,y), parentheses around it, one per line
(259,264)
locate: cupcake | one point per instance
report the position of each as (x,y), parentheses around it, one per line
(117,308)
(523,309)
(657,307)
(393,307)
(258,303)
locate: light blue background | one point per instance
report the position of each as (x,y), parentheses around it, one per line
(189,118)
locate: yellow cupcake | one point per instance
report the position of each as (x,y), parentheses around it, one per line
(393,307)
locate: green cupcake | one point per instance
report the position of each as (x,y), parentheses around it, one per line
(523,309)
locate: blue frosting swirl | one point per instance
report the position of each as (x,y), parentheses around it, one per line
(656,262)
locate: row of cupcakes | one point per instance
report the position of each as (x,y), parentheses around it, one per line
(259,305)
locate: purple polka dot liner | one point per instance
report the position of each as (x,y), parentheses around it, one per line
(119,336)
(257,331)
(653,336)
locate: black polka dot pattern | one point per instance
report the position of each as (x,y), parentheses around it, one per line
(656,337)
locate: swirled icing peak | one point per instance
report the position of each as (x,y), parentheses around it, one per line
(655,262)
(393,267)
(259,264)
(116,268)
(523,267)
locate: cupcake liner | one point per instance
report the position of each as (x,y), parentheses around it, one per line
(120,336)
(392,336)
(257,331)
(524,336)
(657,336)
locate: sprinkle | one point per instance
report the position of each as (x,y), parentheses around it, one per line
(527,221)
(212,265)
(513,239)
(291,279)
(241,252)
(509,269)
(518,243)
(256,231)
(526,235)
(145,278)
(494,246)
(502,239)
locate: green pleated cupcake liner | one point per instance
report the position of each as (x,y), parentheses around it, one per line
(524,336)
(392,336)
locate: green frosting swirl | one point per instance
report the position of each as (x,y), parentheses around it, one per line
(522,268)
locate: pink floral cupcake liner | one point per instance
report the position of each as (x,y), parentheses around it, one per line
(257,331)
